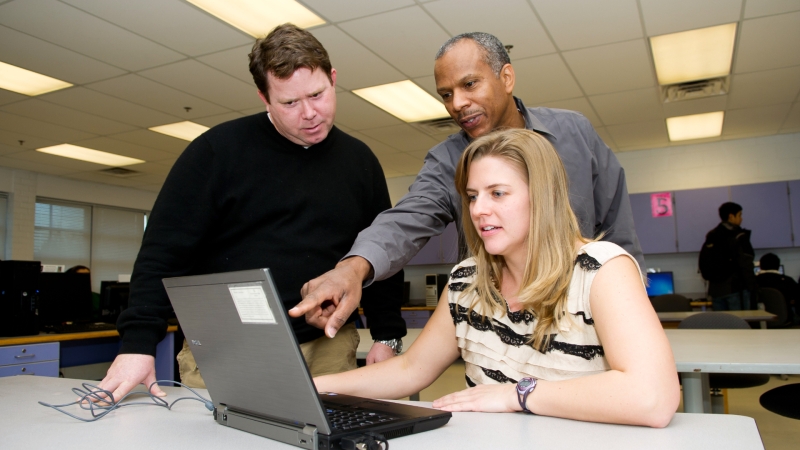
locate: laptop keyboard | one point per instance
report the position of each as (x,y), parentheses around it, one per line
(343,419)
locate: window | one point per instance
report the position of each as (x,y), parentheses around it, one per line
(3,216)
(103,238)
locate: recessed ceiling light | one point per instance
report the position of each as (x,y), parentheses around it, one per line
(694,55)
(90,155)
(187,131)
(404,100)
(259,17)
(23,81)
(695,126)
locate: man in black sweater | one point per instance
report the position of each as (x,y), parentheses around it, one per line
(284,189)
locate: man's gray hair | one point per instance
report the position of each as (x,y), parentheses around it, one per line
(495,53)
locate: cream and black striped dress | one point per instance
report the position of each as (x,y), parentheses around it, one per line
(495,349)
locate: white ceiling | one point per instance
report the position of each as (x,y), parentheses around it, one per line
(137,64)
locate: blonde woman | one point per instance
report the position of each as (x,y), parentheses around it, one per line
(546,320)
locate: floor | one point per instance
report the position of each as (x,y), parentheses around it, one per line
(777,432)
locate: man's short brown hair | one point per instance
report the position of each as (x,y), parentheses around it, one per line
(284,50)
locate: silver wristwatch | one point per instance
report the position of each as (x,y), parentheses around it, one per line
(394,344)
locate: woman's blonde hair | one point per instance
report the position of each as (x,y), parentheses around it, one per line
(552,232)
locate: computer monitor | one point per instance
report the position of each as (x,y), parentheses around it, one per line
(64,297)
(757,269)
(660,283)
(113,299)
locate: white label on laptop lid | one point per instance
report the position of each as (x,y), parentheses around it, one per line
(251,303)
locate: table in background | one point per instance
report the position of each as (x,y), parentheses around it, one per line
(190,425)
(672,319)
(700,352)
(98,346)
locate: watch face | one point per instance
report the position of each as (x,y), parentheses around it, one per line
(524,383)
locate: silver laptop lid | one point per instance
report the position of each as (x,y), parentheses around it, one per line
(244,345)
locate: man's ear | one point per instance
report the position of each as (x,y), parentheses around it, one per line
(508,77)
(333,77)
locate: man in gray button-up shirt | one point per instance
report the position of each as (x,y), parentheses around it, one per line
(475,79)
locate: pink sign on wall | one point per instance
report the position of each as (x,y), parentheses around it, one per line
(661,204)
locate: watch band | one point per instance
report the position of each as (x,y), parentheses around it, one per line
(524,388)
(394,344)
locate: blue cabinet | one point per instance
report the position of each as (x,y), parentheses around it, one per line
(34,359)
(656,234)
(765,210)
(696,213)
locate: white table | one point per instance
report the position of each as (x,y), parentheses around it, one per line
(190,426)
(700,352)
(754,315)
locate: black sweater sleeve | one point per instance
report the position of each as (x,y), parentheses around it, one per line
(182,216)
(382,300)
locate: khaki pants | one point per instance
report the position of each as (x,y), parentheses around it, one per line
(324,356)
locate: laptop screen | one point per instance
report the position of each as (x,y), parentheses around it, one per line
(660,283)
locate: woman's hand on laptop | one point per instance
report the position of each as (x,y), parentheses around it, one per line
(128,371)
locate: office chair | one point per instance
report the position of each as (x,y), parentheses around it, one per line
(775,303)
(671,303)
(783,400)
(719,381)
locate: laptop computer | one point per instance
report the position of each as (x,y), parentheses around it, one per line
(242,340)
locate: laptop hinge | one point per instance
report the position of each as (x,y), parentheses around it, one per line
(300,436)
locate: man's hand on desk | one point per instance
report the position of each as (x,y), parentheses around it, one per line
(128,371)
(379,352)
(329,299)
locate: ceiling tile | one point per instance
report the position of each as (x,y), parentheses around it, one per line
(153,168)
(544,79)
(410,49)
(73,165)
(67,117)
(234,62)
(30,141)
(403,137)
(352,9)
(764,88)
(142,91)
(26,126)
(696,106)
(76,30)
(99,177)
(792,122)
(428,84)
(377,147)
(124,148)
(754,121)
(358,114)
(580,104)
(769,43)
(628,107)
(7,97)
(639,135)
(99,104)
(43,57)
(662,17)
(150,187)
(154,140)
(6,149)
(172,23)
(350,58)
(758,8)
(511,21)
(212,121)
(204,82)
(587,23)
(612,68)
(23,164)
(400,162)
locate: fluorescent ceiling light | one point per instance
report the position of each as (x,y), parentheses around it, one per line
(187,131)
(694,55)
(23,81)
(87,154)
(696,126)
(404,100)
(259,17)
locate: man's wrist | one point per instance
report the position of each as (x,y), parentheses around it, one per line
(362,268)
(395,344)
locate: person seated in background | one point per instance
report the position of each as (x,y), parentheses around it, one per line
(546,320)
(95,296)
(770,277)
(78,269)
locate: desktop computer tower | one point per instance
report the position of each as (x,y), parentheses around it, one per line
(434,286)
(19,282)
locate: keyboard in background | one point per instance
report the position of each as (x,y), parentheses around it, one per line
(80,327)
